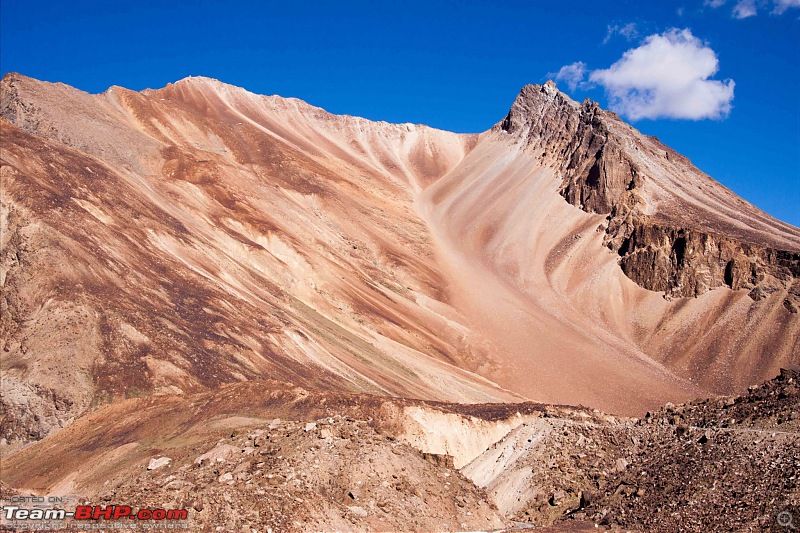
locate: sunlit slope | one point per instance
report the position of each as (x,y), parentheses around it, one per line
(175,239)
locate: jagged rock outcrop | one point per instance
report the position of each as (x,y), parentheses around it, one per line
(596,170)
(683,262)
(603,173)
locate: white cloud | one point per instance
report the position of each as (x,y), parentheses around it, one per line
(749,8)
(667,76)
(572,74)
(628,31)
(782,5)
(744,9)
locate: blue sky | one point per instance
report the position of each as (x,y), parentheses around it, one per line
(458,65)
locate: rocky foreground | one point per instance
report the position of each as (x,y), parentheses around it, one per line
(277,458)
(727,464)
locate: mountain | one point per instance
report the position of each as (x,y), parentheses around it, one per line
(281,319)
(176,240)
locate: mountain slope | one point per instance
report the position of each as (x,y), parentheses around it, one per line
(572,321)
(173,240)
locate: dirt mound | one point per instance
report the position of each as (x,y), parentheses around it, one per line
(331,474)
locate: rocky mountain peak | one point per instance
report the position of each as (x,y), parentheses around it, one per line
(610,168)
(535,103)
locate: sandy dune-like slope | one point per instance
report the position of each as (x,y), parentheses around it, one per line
(173,240)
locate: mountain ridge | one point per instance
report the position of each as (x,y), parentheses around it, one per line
(200,234)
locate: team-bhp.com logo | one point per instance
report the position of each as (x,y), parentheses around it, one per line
(33,514)
(94,512)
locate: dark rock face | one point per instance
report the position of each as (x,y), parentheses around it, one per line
(684,262)
(599,176)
